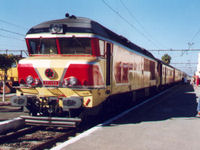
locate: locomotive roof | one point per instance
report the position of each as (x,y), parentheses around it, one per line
(85,25)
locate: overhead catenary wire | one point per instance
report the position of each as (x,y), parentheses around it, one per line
(130,24)
(140,24)
(12,24)
(5,30)
(12,32)
(174,50)
(4,36)
(195,35)
(185,63)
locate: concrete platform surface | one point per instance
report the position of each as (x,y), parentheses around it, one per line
(169,123)
(172,134)
(9,112)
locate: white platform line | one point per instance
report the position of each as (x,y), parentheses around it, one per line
(100,126)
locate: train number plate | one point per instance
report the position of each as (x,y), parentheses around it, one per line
(51,83)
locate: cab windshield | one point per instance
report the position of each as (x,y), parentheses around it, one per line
(69,46)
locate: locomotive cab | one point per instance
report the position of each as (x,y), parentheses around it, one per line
(65,70)
(58,64)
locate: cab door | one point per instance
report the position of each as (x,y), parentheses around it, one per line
(108,53)
(159,68)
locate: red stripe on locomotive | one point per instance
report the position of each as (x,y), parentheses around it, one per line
(87,74)
(24,70)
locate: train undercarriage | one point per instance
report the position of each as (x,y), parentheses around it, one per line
(69,111)
(51,111)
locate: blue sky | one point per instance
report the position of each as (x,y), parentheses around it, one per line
(152,24)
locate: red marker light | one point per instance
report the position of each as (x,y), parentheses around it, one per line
(88,101)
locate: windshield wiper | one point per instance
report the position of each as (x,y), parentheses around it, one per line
(39,46)
(78,41)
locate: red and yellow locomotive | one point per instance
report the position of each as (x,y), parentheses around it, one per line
(75,64)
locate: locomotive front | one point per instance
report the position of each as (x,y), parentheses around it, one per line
(64,75)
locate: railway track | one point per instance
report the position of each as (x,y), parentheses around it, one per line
(35,138)
(41,137)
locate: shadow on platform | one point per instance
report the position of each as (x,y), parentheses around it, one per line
(180,102)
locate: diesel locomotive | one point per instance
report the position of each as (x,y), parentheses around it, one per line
(76,64)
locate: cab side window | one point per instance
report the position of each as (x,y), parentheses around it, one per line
(102,48)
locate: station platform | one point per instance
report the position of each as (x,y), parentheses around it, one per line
(167,123)
(8,112)
(6,103)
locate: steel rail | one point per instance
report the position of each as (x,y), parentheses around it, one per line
(16,134)
(53,141)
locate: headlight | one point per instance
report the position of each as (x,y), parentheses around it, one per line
(73,81)
(29,80)
(56,28)
(37,81)
(66,82)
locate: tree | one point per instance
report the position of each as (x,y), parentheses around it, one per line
(166,59)
(6,62)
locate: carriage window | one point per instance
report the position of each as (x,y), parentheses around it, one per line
(101,47)
(43,46)
(75,46)
(152,70)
